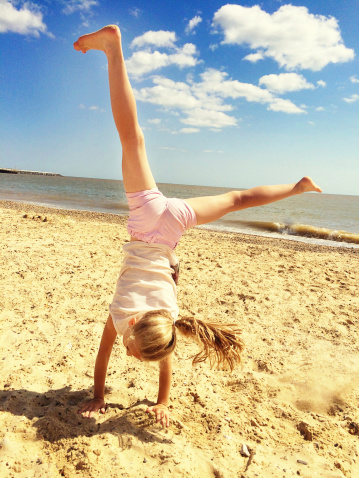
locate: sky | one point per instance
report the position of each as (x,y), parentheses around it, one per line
(228,94)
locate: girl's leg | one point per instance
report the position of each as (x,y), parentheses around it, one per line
(210,208)
(137,175)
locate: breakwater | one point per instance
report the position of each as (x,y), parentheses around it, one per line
(22,171)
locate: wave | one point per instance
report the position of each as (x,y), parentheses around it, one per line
(302,230)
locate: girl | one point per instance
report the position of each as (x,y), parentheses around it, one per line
(144,308)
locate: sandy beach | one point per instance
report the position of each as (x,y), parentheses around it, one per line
(294,403)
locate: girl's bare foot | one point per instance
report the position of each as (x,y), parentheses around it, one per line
(306,184)
(102,40)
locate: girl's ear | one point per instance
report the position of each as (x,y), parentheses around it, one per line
(132,321)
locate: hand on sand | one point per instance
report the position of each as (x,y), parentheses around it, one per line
(90,408)
(162,414)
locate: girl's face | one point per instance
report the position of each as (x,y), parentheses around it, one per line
(130,343)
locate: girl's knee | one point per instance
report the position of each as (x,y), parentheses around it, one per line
(133,138)
(236,199)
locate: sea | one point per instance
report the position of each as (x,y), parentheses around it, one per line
(324,219)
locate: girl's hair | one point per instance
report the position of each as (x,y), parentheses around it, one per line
(155,334)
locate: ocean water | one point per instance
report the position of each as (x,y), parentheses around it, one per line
(324,219)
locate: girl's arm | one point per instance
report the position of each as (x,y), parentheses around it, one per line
(103,357)
(160,410)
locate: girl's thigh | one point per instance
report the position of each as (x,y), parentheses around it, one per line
(136,171)
(211,208)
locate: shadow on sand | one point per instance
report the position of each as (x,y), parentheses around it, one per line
(55,416)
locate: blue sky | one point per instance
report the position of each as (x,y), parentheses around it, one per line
(231,95)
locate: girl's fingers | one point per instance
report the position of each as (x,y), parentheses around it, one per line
(162,416)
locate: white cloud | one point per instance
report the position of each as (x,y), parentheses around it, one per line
(291,36)
(284,106)
(254,57)
(189,130)
(285,82)
(25,21)
(354,79)
(215,81)
(203,103)
(159,39)
(321,83)
(154,121)
(73,6)
(199,107)
(352,99)
(168,93)
(208,118)
(320,108)
(142,62)
(192,24)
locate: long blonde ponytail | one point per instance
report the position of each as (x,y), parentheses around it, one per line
(221,343)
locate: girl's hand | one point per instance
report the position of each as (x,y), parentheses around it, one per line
(162,414)
(93,406)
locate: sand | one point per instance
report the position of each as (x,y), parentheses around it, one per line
(294,403)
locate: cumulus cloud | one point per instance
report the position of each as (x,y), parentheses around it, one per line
(321,83)
(354,79)
(320,108)
(27,20)
(158,39)
(168,93)
(208,118)
(154,121)
(254,57)
(285,82)
(215,81)
(150,59)
(293,37)
(144,61)
(352,99)
(284,106)
(192,24)
(203,103)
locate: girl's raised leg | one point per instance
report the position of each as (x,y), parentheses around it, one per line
(210,208)
(137,175)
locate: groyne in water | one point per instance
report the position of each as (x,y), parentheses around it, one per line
(22,171)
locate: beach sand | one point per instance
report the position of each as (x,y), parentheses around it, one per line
(294,403)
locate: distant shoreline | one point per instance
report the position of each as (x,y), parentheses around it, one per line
(215,234)
(22,171)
